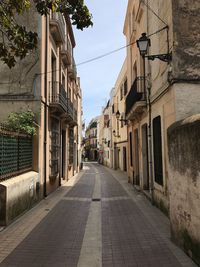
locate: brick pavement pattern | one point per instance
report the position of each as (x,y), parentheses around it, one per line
(130,232)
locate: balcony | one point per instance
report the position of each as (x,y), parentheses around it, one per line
(93,146)
(93,136)
(136,99)
(66,52)
(57,27)
(72,69)
(61,105)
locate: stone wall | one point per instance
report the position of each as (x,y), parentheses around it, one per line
(186,48)
(184,177)
(17,195)
(24,78)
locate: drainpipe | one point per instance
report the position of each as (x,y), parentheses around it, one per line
(150,147)
(45,109)
(60,120)
(150,129)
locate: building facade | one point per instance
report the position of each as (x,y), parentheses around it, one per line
(46,82)
(91,140)
(162,90)
(118,120)
(105,137)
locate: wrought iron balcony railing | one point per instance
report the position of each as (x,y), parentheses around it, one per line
(136,93)
(58,95)
(59,100)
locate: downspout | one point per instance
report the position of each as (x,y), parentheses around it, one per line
(150,128)
(61,144)
(45,107)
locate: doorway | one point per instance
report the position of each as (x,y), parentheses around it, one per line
(157,150)
(124,159)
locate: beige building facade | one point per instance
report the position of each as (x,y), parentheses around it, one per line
(152,106)
(46,82)
(160,92)
(105,137)
(118,121)
(91,140)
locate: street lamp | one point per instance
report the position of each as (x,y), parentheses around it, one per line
(118,117)
(143,43)
(104,141)
(116,134)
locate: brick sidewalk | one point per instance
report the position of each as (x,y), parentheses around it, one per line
(96,219)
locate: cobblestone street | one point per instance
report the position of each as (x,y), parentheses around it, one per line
(95,219)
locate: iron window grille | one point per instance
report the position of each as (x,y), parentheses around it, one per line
(54,148)
(15,154)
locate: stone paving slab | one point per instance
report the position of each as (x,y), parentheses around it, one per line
(84,187)
(110,187)
(70,229)
(15,233)
(159,222)
(56,240)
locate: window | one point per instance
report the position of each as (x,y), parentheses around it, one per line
(121,92)
(125,87)
(131,148)
(63,80)
(71,146)
(53,67)
(157,150)
(54,151)
(113,108)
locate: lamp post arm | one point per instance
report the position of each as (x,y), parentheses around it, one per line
(162,57)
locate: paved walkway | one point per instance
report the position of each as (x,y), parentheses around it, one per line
(96,219)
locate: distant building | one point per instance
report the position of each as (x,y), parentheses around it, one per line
(118,120)
(91,140)
(105,137)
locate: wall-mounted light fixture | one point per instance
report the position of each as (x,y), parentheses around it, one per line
(116,134)
(143,43)
(118,117)
(104,141)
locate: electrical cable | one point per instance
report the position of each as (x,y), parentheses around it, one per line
(148,6)
(96,58)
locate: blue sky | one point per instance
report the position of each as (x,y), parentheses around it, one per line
(98,77)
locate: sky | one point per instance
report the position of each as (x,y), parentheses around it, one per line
(99,77)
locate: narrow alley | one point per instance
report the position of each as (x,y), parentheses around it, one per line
(95,219)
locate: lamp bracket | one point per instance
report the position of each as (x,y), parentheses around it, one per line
(162,57)
(123,120)
(115,135)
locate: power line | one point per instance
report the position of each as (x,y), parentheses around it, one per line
(95,58)
(148,6)
(116,50)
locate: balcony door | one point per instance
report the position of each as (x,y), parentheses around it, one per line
(53,75)
(157,150)
(124,159)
